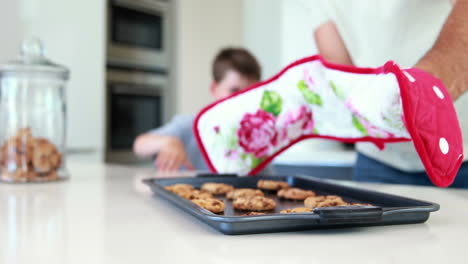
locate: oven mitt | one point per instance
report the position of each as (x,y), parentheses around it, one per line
(313,98)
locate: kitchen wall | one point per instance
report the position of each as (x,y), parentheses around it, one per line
(10,30)
(73,34)
(202,28)
(279,32)
(261,33)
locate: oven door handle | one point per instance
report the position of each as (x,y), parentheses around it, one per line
(121,89)
(149,5)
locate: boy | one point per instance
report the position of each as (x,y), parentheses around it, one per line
(174,144)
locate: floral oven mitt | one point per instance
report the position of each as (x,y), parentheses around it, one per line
(314,98)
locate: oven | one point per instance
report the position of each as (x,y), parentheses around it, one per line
(136,102)
(138,34)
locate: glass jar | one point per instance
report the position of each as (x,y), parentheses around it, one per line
(32,117)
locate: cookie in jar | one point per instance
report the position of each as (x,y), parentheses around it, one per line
(25,158)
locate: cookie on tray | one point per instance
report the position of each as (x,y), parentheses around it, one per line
(180,188)
(253,213)
(216,188)
(295,193)
(213,205)
(296,210)
(195,194)
(360,204)
(324,201)
(272,185)
(243,192)
(255,203)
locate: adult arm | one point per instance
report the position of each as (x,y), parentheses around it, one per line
(448,58)
(330,44)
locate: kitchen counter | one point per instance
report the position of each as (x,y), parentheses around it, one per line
(104,214)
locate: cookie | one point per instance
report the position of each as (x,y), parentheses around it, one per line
(295,193)
(314,202)
(296,210)
(51,176)
(15,162)
(272,185)
(44,150)
(25,158)
(324,201)
(22,141)
(12,177)
(255,203)
(210,204)
(217,188)
(18,147)
(360,204)
(195,194)
(243,192)
(56,160)
(24,133)
(180,188)
(254,213)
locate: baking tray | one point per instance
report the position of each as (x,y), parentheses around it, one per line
(386,209)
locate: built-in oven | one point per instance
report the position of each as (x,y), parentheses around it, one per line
(136,103)
(138,34)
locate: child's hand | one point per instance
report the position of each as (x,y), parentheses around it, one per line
(172,156)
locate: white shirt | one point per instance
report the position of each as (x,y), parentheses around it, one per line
(376,31)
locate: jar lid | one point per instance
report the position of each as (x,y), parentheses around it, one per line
(33,61)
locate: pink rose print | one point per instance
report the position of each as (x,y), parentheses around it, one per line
(257,133)
(232,154)
(363,125)
(297,123)
(307,77)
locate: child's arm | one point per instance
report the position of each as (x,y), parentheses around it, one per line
(170,151)
(149,144)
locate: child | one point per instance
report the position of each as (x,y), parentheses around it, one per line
(174,144)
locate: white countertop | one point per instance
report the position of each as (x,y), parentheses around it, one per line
(104,214)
